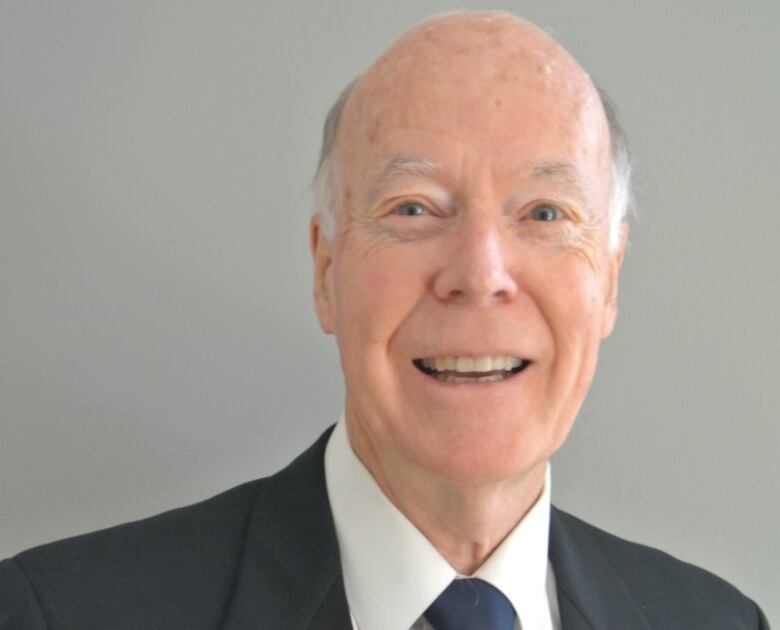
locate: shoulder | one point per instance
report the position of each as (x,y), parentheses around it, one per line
(178,569)
(666,589)
(164,539)
(133,570)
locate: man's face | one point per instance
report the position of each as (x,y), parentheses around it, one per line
(469,282)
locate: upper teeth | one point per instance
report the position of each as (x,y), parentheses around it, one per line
(472,364)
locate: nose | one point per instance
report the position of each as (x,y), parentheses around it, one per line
(478,269)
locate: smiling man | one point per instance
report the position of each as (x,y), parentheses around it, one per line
(473,188)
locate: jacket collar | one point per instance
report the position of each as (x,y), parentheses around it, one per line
(591,594)
(290,574)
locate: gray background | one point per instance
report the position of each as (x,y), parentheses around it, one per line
(157,339)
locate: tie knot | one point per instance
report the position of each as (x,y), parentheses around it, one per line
(471,604)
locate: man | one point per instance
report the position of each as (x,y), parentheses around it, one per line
(467,246)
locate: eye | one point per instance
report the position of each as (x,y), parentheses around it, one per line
(546,212)
(411,209)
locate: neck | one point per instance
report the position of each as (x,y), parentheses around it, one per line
(464,521)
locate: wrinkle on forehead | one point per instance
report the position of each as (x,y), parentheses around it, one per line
(472,73)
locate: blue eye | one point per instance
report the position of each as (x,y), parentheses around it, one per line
(546,212)
(411,210)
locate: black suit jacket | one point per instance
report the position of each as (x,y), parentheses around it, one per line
(264,556)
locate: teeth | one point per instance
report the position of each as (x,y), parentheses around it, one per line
(472,364)
(510,363)
(483,364)
(464,364)
(490,378)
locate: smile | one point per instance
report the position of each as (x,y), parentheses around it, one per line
(460,369)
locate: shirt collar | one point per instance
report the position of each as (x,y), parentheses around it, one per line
(392,572)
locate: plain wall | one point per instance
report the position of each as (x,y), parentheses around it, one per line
(157,337)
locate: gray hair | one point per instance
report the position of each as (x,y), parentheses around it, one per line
(327,180)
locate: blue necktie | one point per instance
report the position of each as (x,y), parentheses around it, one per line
(471,604)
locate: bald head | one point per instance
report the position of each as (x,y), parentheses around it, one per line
(474,51)
(467,66)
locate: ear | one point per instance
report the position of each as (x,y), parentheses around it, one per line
(615,262)
(323,276)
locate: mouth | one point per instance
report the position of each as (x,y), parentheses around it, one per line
(462,369)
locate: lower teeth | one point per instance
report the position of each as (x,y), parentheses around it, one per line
(489,378)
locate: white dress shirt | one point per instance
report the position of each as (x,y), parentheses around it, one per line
(392,573)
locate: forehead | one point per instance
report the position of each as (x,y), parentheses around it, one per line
(502,99)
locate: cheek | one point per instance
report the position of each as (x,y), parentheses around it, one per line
(581,306)
(374,294)
(578,333)
(584,290)
(571,296)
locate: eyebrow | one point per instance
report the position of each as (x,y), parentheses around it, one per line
(564,172)
(400,166)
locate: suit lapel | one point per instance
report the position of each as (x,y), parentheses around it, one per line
(290,575)
(571,617)
(333,612)
(591,595)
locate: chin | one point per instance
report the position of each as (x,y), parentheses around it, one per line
(483,454)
